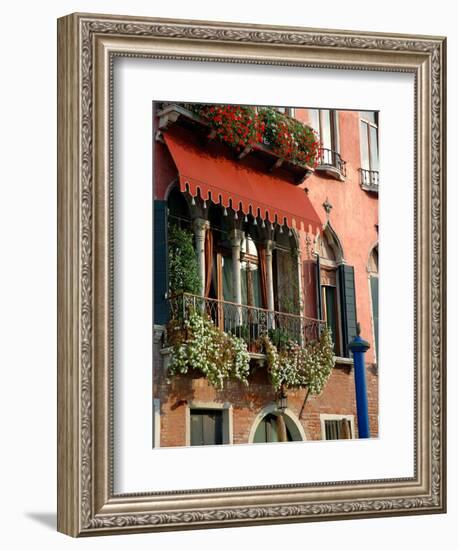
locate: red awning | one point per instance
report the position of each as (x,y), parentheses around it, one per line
(224,181)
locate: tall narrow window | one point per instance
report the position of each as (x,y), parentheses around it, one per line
(373,281)
(369,150)
(331,309)
(326,123)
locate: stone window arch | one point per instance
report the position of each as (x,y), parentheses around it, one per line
(293,425)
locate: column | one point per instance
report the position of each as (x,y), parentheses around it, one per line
(300,297)
(358,347)
(269,245)
(236,236)
(200,226)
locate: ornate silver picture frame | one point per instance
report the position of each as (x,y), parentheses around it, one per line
(87,47)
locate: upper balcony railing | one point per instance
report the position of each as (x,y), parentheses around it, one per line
(247,322)
(369,180)
(331,161)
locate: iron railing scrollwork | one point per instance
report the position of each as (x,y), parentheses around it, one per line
(247,322)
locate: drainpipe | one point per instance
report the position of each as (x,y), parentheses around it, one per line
(358,347)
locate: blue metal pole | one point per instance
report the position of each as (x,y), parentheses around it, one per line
(358,347)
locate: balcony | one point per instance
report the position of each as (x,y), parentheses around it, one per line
(369,180)
(331,163)
(247,322)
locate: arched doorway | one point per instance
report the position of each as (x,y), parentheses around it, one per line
(265,428)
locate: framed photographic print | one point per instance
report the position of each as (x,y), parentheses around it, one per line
(251,274)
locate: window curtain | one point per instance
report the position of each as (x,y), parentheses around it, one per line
(263,273)
(208,261)
(345,429)
(281,428)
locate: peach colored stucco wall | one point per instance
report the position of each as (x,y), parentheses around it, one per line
(354,217)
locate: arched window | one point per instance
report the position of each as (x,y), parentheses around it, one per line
(336,291)
(330,254)
(372,269)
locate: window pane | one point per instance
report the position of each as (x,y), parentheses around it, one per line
(364,147)
(374,148)
(286,289)
(314,115)
(326,132)
(369,115)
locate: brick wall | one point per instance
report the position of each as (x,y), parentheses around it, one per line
(338,398)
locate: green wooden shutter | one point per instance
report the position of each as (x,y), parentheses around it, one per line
(160,262)
(206,427)
(346,275)
(197,436)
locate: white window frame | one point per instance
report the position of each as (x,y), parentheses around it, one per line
(324,417)
(369,124)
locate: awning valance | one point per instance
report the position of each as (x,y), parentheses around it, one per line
(216,177)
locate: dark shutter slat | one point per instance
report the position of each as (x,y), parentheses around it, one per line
(348,305)
(160,262)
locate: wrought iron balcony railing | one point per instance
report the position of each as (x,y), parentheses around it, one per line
(247,322)
(369,180)
(332,159)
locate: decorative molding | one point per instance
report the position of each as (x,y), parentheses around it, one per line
(260,513)
(231,33)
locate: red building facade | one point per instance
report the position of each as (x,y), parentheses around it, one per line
(279,245)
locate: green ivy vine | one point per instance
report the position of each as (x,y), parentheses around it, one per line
(183,267)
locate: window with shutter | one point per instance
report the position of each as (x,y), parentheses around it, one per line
(206,427)
(348,305)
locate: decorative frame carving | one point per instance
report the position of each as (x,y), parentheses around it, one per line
(87,45)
